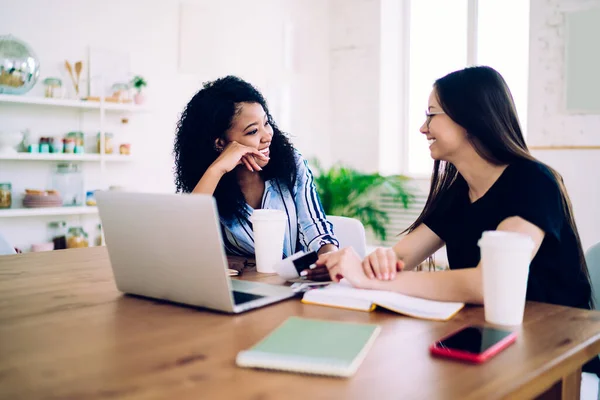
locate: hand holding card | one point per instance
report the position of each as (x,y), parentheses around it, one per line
(315,273)
(293,266)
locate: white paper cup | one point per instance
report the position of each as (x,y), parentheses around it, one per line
(269,233)
(505,259)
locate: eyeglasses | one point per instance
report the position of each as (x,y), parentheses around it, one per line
(429,116)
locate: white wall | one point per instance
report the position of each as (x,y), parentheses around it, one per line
(149,31)
(550,125)
(310,87)
(355,72)
(281,46)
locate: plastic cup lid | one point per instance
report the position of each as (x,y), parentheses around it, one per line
(268,215)
(506,238)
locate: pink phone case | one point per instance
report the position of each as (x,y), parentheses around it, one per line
(476,358)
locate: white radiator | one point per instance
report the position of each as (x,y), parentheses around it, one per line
(401,218)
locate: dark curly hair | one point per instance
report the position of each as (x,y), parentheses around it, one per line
(206,118)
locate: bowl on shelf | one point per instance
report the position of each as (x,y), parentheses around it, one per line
(41,199)
(8,142)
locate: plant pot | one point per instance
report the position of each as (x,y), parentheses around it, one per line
(139,98)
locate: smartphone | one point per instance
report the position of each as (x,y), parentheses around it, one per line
(291,267)
(475,344)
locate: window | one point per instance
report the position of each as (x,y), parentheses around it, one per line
(438,45)
(506,50)
(448,35)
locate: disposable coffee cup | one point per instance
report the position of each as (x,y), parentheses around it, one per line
(505,259)
(269,232)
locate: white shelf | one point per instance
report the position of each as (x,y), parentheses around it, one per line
(131,107)
(117,157)
(35,212)
(67,103)
(64,157)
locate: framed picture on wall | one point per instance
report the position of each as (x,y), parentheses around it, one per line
(582,61)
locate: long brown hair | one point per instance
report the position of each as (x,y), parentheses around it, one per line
(478,99)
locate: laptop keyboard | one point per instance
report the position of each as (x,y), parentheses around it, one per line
(242,297)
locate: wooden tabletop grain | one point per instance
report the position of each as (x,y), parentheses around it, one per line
(67,333)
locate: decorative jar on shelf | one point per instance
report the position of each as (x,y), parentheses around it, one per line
(121,92)
(108,143)
(68,181)
(90,199)
(56,145)
(77,238)
(53,88)
(125,149)
(100,236)
(69,145)
(44,145)
(78,144)
(5,195)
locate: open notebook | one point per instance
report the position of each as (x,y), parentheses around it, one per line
(345,296)
(313,347)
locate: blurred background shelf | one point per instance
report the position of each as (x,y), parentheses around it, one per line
(36,212)
(68,103)
(64,157)
(101,124)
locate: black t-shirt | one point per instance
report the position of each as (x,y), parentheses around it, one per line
(526,189)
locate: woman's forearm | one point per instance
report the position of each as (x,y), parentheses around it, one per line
(327,248)
(208,183)
(463,285)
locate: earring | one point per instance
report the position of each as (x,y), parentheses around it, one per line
(218,148)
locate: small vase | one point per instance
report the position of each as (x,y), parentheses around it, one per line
(139,98)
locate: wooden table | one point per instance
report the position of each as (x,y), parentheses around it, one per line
(67,333)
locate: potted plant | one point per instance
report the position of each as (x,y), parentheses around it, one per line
(350,193)
(139,83)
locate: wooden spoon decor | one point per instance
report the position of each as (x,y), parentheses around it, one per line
(78,68)
(75,77)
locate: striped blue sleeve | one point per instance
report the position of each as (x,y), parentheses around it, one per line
(232,244)
(314,230)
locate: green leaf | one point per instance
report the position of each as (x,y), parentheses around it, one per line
(350,193)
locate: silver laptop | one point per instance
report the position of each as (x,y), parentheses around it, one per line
(169,246)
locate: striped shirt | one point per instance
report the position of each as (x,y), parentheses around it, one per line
(307,227)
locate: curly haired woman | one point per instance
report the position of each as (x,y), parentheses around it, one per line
(227,145)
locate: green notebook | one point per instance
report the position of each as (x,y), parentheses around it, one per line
(313,347)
